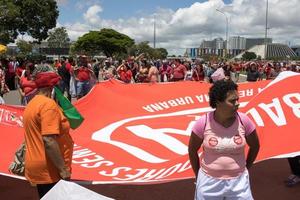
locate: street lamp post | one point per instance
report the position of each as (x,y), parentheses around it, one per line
(226,30)
(154,32)
(266,29)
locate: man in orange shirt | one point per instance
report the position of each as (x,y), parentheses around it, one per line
(49,146)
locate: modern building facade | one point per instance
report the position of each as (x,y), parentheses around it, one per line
(235,45)
(296,49)
(274,50)
(250,42)
(213,47)
(50,52)
(192,52)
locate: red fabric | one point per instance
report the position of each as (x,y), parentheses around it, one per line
(47,79)
(57,65)
(83,74)
(68,67)
(27,85)
(179,72)
(19,70)
(132,145)
(125,76)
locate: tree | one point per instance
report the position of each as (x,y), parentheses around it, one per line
(249,56)
(162,53)
(30,17)
(143,47)
(24,47)
(58,38)
(87,44)
(108,41)
(8,14)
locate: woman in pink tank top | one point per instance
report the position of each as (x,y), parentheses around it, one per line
(221,172)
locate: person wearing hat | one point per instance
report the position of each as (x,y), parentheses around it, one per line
(49,146)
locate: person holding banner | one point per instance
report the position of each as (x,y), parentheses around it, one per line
(49,146)
(221,172)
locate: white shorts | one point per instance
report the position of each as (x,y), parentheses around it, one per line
(210,188)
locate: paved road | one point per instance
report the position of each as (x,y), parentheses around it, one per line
(266,182)
(13,97)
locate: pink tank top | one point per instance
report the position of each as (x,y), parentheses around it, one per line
(223,148)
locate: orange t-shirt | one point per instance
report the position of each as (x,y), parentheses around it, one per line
(42,116)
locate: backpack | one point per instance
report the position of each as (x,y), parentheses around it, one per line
(64,73)
(17,166)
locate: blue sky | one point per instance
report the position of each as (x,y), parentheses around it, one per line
(71,11)
(182,24)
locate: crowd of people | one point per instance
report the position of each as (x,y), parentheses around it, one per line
(79,75)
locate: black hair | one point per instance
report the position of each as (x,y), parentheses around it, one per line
(218,91)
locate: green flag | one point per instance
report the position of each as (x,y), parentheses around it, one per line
(71,113)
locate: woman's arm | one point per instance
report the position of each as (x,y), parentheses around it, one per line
(139,57)
(194,145)
(150,72)
(119,67)
(253,143)
(53,152)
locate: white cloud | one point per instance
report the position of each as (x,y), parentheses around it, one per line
(81,5)
(187,27)
(61,2)
(77,29)
(92,15)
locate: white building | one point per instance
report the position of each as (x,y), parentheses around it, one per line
(237,42)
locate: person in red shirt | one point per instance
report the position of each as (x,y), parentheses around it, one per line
(198,72)
(268,70)
(27,86)
(179,71)
(84,75)
(165,71)
(57,64)
(124,73)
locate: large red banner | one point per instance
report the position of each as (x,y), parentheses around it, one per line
(138,133)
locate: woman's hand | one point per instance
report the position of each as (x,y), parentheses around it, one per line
(65,174)
(253,143)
